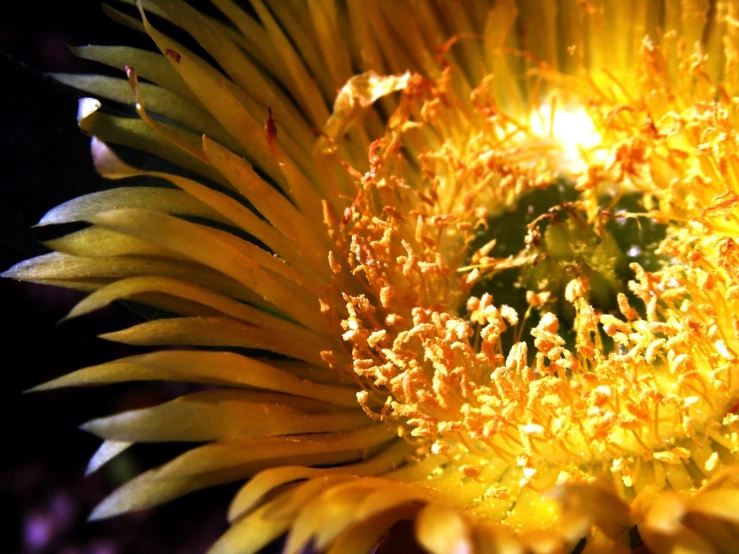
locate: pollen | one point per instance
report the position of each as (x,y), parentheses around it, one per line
(591,361)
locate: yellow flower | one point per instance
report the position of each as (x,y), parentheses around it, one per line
(489,285)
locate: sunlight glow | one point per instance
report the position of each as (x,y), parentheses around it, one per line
(571,129)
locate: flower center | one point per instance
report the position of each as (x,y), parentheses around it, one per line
(563,325)
(564,245)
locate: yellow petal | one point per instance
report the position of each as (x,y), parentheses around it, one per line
(598,544)
(390,495)
(161,130)
(158,100)
(374,35)
(441,529)
(255,41)
(253,491)
(223,415)
(222,251)
(212,368)
(720,533)
(58,268)
(266,481)
(251,533)
(106,452)
(136,134)
(414,37)
(544,542)
(360,92)
(421,470)
(223,462)
(228,210)
(154,198)
(328,513)
(498,30)
(246,75)
(600,503)
(225,107)
(96,242)
(303,84)
(124,19)
(219,26)
(362,537)
(663,531)
(726,478)
(490,538)
(295,20)
(317,374)
(298,228)
(213,331)
(149,65)
(325,18)
(135,286)
(721,503)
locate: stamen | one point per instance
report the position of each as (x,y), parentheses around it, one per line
(547,321)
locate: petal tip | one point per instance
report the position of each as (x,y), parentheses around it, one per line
(86,107)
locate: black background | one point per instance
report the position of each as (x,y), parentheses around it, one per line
(44,497)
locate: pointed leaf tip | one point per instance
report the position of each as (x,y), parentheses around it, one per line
(13,271)
(47,386)
(86,107)
(108,450)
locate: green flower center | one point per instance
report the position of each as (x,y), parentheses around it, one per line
(565,245)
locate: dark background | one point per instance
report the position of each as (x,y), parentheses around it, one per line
(44,497)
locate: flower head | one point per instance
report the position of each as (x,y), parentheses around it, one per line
(472,264)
